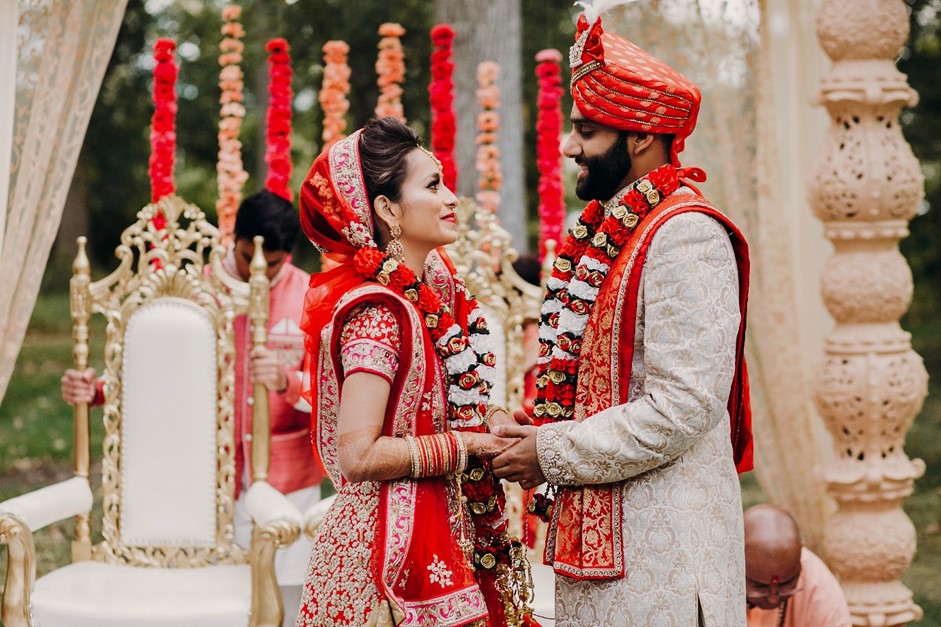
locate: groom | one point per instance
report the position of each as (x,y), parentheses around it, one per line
(642,392)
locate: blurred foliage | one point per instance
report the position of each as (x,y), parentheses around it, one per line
(113,162)
(921,61)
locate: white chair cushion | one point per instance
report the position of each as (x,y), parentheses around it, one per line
(93,594)
(168,482)
(50,504)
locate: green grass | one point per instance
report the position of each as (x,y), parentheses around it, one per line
(36,444)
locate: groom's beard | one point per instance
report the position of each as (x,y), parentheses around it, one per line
(604,173)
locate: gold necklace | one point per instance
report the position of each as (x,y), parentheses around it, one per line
(782,613)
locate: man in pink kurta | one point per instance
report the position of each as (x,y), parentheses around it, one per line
(786,585)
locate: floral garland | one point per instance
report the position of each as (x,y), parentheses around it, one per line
(548,154)
(581,267)
(471,372)
(278,120)
(333,92)
(230,172)
(162,125)
(441,93)
(488,125)
(390,68)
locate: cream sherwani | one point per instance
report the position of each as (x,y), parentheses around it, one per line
(669,445)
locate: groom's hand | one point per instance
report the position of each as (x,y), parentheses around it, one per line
(520,463)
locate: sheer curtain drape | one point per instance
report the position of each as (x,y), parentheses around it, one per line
(755,61)
(63,47)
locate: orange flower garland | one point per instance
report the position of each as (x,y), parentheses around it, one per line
(390,67)
(278,122)
(333,93)
(488,127)
(441,93)
(230,173)
(162,125)
(548,153)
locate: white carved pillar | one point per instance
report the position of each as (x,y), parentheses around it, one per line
(866,187)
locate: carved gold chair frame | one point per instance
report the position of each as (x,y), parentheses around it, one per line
(181,263)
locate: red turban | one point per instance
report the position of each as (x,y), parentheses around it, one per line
(617,84)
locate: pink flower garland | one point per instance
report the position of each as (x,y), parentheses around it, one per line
(230,173)
(278,123)
(488,127)
(390,67)
(548,154)
(441,92)
(162,125)
(336,85)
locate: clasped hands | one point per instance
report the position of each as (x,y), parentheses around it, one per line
(515,449)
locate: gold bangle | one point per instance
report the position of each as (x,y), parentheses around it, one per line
(491,410)
(461,452)
(413,456)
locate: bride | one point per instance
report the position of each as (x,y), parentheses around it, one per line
(400,375)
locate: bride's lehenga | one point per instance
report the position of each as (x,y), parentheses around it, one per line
(388,551)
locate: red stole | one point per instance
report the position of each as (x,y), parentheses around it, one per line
(585,538)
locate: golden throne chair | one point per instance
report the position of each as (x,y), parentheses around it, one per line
(168,465)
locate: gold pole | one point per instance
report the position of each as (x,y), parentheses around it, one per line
(80,299)
(258,316)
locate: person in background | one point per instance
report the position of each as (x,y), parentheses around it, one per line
(786,585)
(292,469)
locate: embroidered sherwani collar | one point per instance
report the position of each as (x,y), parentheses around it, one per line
(610,204)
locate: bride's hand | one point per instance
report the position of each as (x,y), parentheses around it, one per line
(486,445)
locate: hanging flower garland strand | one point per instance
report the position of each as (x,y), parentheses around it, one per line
(548,153)
(333,92)
(490,175)
(230,172)
(441,93)
(278,122)
(390,68)
(163,123)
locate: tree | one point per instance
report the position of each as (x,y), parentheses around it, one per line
(489,31)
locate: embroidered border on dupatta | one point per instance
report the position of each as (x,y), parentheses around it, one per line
(347,176)
(448,610)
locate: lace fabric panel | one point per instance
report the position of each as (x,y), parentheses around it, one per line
(63,50)
(741,53)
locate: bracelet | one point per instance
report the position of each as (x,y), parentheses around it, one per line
(461,452)
(491,410)
(413,456)
(436,455)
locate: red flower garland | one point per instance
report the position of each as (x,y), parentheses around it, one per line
(278,120)
(162,125)
(441,93)
(488,126)
(390,68)
(579,270)
(332,97)
(548,153)
(230,172)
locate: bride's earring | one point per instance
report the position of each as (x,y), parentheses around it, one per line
(394,248)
